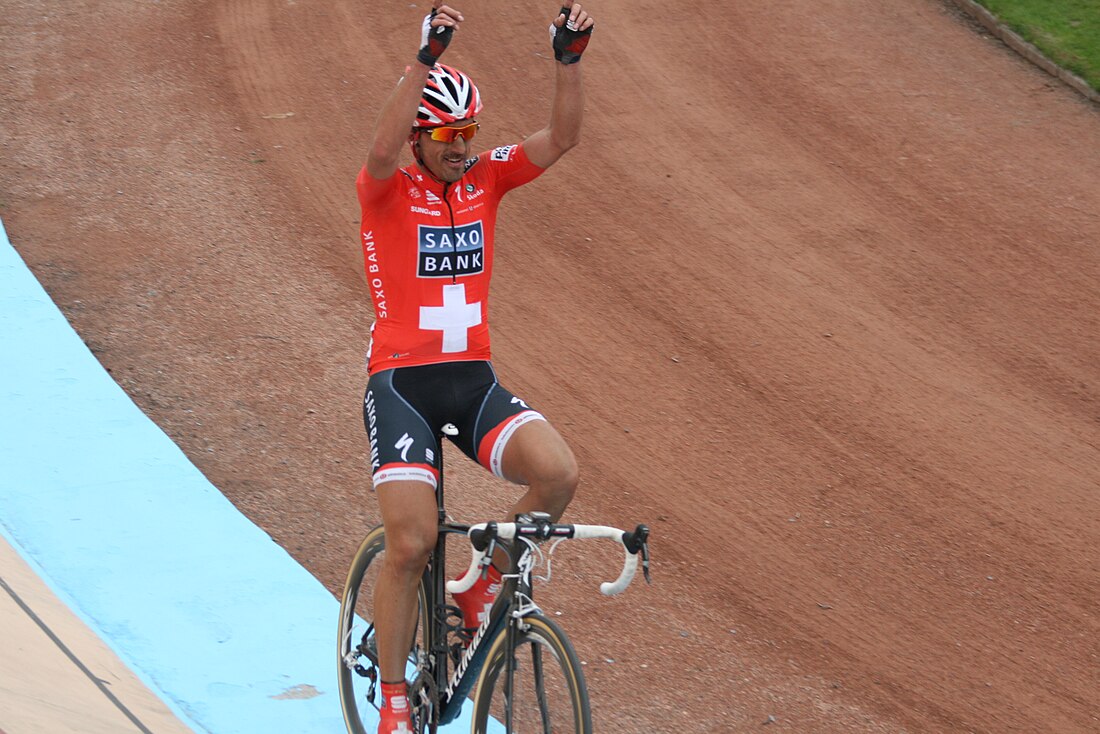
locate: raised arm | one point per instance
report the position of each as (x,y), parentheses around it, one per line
(391,131)
(570,33)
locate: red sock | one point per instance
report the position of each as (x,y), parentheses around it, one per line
(395,709)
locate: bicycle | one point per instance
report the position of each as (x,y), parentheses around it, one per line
(512,694)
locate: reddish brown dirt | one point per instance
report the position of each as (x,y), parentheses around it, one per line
(816,297)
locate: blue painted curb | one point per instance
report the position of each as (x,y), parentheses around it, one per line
(212,614)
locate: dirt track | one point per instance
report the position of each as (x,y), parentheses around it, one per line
(816,297)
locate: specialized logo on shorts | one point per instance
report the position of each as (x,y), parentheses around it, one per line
(446,252)
(503,153)
(403,445)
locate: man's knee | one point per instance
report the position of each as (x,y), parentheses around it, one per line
(556,484)
(408,545)
(567,479)
(410,518)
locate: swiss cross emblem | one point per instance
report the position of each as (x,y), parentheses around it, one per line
(454,318)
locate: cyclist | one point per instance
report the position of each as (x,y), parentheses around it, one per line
(427,237)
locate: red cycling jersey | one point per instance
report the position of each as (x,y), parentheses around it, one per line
(428,251)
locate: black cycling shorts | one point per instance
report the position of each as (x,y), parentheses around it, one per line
(406,408)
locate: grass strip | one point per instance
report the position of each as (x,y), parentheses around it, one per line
(1066,31)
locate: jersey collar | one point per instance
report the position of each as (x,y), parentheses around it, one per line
(425,180)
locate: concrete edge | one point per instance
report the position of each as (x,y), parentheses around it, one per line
(1025,49)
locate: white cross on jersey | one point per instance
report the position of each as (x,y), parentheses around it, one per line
(454,318)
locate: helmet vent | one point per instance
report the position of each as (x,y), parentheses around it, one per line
(449,95)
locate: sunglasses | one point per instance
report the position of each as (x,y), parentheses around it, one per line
(446,134)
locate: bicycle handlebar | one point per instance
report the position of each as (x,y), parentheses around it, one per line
(483,536)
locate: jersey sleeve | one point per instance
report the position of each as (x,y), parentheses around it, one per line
(376,193)
(510,167)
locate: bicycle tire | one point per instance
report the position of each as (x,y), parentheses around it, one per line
(553,701)
(356,617)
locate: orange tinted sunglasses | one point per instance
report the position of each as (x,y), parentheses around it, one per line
(446,134)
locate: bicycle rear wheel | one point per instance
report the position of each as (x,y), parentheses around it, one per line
(547,694)
(360,687)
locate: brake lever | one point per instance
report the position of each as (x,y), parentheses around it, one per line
(487,560)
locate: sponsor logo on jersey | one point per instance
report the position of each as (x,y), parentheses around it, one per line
(374,275)
(432,198)
(503,153)
(446,252)
(424,210)
(469,192)
(470,208)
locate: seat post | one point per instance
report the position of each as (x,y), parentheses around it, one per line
(448,429)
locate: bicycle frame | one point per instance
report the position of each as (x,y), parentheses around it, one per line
(454,689)
(446,672)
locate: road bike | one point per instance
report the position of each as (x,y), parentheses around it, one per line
(521,668)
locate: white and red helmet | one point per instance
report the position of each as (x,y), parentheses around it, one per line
(449,95)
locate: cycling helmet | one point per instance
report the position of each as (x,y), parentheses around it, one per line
(449,95)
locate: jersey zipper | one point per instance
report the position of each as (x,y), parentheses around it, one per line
(454,232)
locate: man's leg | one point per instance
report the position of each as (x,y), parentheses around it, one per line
(510,439)
(409,515)
(537,456)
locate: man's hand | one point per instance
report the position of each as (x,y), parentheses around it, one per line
(570,33)
(436,31)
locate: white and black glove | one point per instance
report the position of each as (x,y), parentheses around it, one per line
(433,41)
(570,37)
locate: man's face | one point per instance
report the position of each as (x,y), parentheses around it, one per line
(446,161)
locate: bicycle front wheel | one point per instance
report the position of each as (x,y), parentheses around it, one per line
(360,687)
(543,693)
